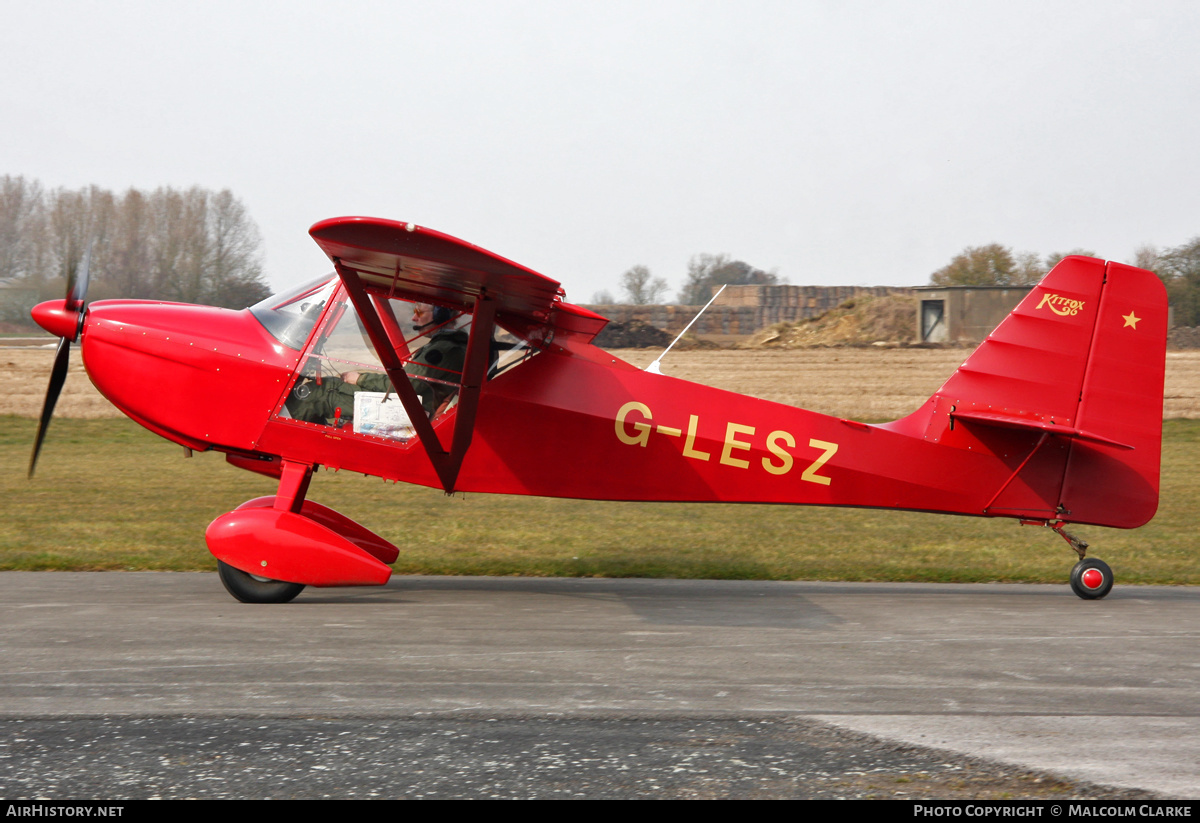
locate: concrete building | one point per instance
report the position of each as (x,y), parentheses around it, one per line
(963,314)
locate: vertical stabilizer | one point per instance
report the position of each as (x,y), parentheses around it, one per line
(1032,366)
(1074,375)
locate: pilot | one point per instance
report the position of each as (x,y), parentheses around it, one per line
(442,358)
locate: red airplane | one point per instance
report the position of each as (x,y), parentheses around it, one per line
(1055,419)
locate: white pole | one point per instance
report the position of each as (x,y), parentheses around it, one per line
(655,368)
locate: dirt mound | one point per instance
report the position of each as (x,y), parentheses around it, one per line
(860,321)
(632,335)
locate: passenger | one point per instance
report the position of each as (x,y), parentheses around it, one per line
(442,358)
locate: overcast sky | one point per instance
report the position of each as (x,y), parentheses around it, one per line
(835,142)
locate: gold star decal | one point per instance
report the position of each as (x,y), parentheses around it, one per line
(1131,319)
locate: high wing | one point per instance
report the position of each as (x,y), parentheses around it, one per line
(433,267)
(380,259)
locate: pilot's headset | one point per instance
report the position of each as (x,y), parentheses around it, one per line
(441,316)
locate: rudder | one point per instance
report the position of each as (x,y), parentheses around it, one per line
(1121,400)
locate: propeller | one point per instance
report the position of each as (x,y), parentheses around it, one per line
(76,301)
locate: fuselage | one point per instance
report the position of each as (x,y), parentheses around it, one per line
(572,421)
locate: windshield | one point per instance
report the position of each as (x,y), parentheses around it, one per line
(291,315)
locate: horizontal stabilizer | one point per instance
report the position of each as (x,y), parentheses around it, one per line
(1010,422)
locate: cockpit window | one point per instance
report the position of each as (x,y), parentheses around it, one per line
(342,384)
(291,315)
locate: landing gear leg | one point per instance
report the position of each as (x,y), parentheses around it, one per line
(1091,578)
(251,588)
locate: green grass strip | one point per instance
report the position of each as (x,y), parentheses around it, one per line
(109,495)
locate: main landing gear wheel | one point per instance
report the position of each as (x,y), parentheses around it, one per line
(249,588)
(1091,579)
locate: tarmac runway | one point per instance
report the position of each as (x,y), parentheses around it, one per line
(1026,676)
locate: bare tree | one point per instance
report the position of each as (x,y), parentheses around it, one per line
(178,244)
(1054,258)
(75,220)
(189,245)
(640,288)
(21,219)
(990,265)
(127,258)
(1146,257)
(997,265)
(1179,269)
(1029,267)
(235,259)
(708,270)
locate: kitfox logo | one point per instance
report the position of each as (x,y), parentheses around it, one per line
(1062,306)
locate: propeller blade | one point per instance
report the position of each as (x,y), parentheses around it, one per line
(77,286)
(58,376)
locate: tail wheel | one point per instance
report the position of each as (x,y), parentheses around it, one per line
(1091,579)
(249,588)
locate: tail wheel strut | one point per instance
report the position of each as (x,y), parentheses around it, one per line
(1091,578)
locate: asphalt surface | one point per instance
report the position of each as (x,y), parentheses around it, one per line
(159,685)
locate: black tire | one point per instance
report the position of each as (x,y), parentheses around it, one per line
(1088,585)
(250,589)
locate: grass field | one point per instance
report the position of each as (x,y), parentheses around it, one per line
(109,495)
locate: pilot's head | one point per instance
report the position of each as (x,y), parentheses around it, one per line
(425,315)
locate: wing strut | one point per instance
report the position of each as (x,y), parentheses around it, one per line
(446,464)
(388,318)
